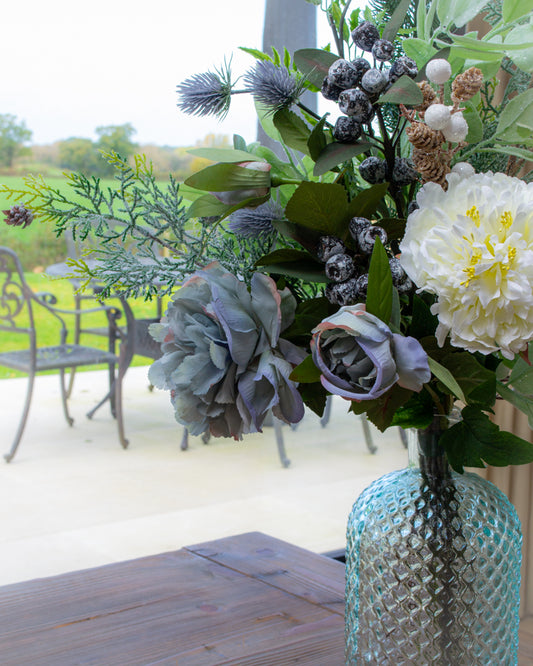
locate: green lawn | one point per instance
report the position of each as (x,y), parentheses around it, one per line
(37,245)
(48,328)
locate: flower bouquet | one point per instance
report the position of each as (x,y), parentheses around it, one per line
(383,253)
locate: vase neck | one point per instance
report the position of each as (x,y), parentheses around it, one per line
(426,453)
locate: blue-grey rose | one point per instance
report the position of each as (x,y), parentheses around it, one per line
(224,361)
(360,358)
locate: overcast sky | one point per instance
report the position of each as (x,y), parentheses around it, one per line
(68,67)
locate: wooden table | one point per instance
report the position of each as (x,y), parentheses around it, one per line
(243,600)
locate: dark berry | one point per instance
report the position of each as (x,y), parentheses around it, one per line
(374,81)
(343,74)
(412,207)
(367,238)
(347,129)
(330,90)
(365,35)
(340,267)
(355,103)
(373,170)
(357,225)
(361,65)
(328,246)
(403,172)
(403,65)
(400,279)
(343,293)
(362,285)
(382,50)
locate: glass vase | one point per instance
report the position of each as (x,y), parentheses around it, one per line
(432,567)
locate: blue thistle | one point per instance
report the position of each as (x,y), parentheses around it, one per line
(274,87)
(255,222)
(206,94)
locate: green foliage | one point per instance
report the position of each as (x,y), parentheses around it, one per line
(114,139)
(79,154)
(13,135)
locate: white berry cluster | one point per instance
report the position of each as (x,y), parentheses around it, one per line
(439,130)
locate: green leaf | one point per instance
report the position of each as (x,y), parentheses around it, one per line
(224,154)
(307,238)
(228,177)
(403,91)
(423,323)
(521,402)
(394,226)
(381,411)
(396,20)
(518,111)
(293,263)
(458,12)
(514,9)
(314,64)
(477,440)
(418,49)
(306,372)
(336,153)
(264,116)
(522,153)
(522,34)
(475,124)
(293,130)
(469,374)
(379,293)
(318,139)
(209,206)
(238,143)
(366,202)
(314,397)
(446,377)
(308,315)
(521,378)
(420,23)
(260,55)
(418,412)
(319,206)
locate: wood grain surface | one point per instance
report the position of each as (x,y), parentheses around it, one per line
(246,600)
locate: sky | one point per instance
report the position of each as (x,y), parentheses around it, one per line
(69,67)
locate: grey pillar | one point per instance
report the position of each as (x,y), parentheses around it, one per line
(290,24)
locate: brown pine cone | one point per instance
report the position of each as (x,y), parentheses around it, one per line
(424,138)
(429,96)
(18,216)
(433,167)
(467,84)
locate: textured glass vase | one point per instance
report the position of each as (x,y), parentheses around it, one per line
(432,567)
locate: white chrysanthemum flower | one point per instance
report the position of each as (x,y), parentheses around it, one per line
(472,246)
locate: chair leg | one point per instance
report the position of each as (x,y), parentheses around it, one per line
(22,424)
(327,412)
(118,402)
(184,445)
(64,397)
(279,441)
(368,435)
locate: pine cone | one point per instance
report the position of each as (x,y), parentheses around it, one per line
(429,96)
(467,84)
(18,216)
(433,167)
(424,138)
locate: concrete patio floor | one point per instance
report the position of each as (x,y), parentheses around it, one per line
(73,498)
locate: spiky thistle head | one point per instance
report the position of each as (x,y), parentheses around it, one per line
(273,86)
(255,222)
(207,94)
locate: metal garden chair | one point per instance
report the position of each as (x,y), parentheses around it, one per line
(17,303)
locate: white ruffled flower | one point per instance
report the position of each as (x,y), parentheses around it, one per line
(472,246)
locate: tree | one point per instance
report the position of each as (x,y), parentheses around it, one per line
(13,135)
(115,138)
(78,154)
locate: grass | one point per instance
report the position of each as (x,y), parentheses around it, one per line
(48,329)
(37,245)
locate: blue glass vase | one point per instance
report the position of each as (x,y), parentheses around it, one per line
(432,567)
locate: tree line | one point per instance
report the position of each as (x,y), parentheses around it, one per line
(85,155)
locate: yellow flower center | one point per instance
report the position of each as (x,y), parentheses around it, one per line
(505,221)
